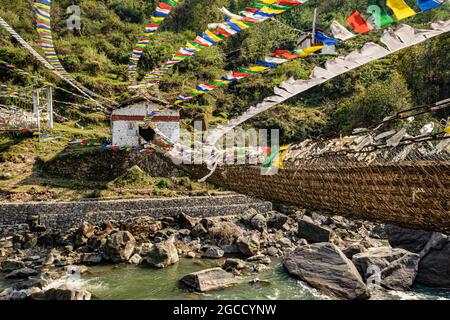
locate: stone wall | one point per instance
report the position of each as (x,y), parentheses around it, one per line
(64,215)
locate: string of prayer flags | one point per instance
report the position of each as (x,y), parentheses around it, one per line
(258,12)
(379,15)
(278,57)
(44,29)
(162,11)
(426,5)
(319,36)
(400,8)
(358,23)
(340,32)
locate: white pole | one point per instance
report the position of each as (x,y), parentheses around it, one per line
(50,107)
(36,108)
(313,36)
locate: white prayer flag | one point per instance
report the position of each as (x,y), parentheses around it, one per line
(340,32)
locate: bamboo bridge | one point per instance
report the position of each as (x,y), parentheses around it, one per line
(413,193)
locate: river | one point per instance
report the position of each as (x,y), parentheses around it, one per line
(121,282)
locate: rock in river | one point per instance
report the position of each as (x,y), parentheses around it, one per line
(209,279)
(397,267)
(21,273)
(434,268)
(163,254)
(324,267)
(214,252)
(312,232)
(120,246)
(62,293)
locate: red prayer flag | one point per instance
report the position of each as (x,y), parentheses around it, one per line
(251,9)
(357,22)
(291,3)
(163,5)
(286,54)
(240,74)
(223,32)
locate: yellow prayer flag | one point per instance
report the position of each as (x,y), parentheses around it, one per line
(258,68)
(283,151)
(400,8)
(271,11)
(307,51)
(213,36)
(190,46)
(239,23)
(268,1)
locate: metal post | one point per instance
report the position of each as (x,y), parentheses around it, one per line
(36,108)
(50,107)
(313,36)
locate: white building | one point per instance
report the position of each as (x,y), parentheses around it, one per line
(128,126)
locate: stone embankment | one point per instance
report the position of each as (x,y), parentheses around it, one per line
(65,215)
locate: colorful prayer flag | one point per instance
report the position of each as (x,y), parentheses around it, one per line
(319,36)
(400,8)
(357,22)
(379,14)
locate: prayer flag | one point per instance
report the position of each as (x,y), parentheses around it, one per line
(379,14)
(340,32)
(358,23)
(319,36)
(426,5)
(400,8)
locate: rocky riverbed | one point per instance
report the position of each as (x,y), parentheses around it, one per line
(339,258)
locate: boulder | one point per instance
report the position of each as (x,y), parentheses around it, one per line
(163,254)
(209,279)
(277,221)
(434,268)
(119,246)
(312,232)
(135,259)
(91,258)
(247,215)
(142,227)
(225,232)
(11,265)
(214,252)
(249,245)
(62,293)
(353,249)
(185,221)
(233,264)
(324,267)
(258,222)
(22,273)
(198,231)
(408,239)
(207,223)
(396,268)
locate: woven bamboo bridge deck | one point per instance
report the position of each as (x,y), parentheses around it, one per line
(414,194)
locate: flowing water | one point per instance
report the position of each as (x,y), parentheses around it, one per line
(141,283)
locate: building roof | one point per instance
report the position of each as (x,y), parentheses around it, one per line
(139,99)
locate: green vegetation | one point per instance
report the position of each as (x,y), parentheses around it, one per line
(98,55)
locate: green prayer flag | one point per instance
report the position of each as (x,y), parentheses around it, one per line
(272,155)
(379,14)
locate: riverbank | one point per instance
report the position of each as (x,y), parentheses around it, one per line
(296,254)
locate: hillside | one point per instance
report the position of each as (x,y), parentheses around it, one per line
(98,56)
